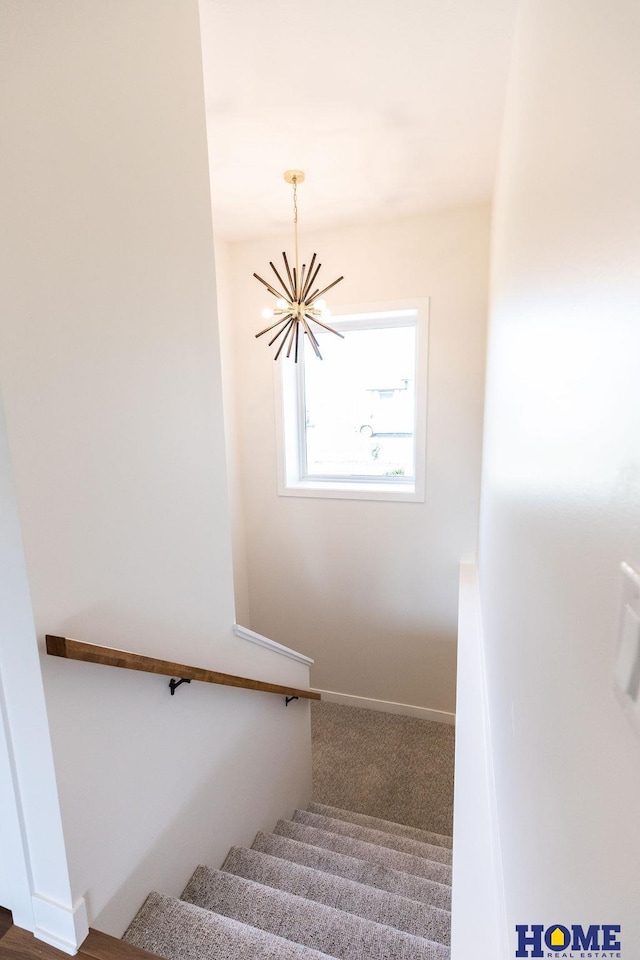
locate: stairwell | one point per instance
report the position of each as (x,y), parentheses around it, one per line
(327,883)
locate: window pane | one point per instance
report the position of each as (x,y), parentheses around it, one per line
(360,404)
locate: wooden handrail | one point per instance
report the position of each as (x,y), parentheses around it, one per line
(91,653)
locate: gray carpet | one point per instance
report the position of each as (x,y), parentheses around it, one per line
(308,892)
(399,829)
(332,883)
(343,894)
(352,847)
(341,865)
(336,932)
(384,765)
(381,838)
(180,931)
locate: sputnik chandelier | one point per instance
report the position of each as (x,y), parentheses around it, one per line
(299,303)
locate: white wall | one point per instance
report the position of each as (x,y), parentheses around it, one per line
(561,477)
(369,589)
(110,373)
(230,394)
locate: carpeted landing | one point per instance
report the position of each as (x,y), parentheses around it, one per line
(328,883)
(383,764)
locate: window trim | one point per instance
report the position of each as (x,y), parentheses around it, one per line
(289,420)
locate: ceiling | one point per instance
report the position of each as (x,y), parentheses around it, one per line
(389,107)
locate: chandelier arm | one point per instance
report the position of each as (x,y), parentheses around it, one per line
(314,342)
(306,286)
(308,300)
(284,340)
(270,288)
(310,281)
(292,337)
(316,295)
(282,283)
(301,285)
(286,263)
(295,283)
(321,324)
(280,332)
(297,338)
(273,325)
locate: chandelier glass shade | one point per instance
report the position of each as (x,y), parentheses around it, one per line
(299,300)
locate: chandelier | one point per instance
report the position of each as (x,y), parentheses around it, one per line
(299,302)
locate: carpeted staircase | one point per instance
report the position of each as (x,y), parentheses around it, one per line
(328,883)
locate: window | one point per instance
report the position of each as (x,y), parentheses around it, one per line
(354,424)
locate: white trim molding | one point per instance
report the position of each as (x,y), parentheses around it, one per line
(478,916)
(31,835)
(16,886)
(58,926)
(245,634)
(387,706)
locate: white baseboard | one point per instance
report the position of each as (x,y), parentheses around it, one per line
(245,634)
(59,926)
(387,706)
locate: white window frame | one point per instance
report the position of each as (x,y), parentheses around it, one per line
(290,417)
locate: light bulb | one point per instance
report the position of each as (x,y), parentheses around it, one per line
(281,303)
(267,313)
(320,305)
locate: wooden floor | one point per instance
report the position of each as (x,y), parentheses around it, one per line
(5,921)
(17,944)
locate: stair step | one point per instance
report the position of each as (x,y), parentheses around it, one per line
(177,930)
(334,932)
(364,901)
(387,826)
(395,859)
(362,871)
(416,848)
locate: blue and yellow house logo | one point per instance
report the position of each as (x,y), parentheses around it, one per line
(536,941)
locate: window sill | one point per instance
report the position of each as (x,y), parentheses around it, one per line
(334,490)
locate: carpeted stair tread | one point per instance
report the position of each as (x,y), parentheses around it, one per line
(177,930)
(334,932)
(395,859)
(387,826)
(362,871)
(342,894)
(344,828)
